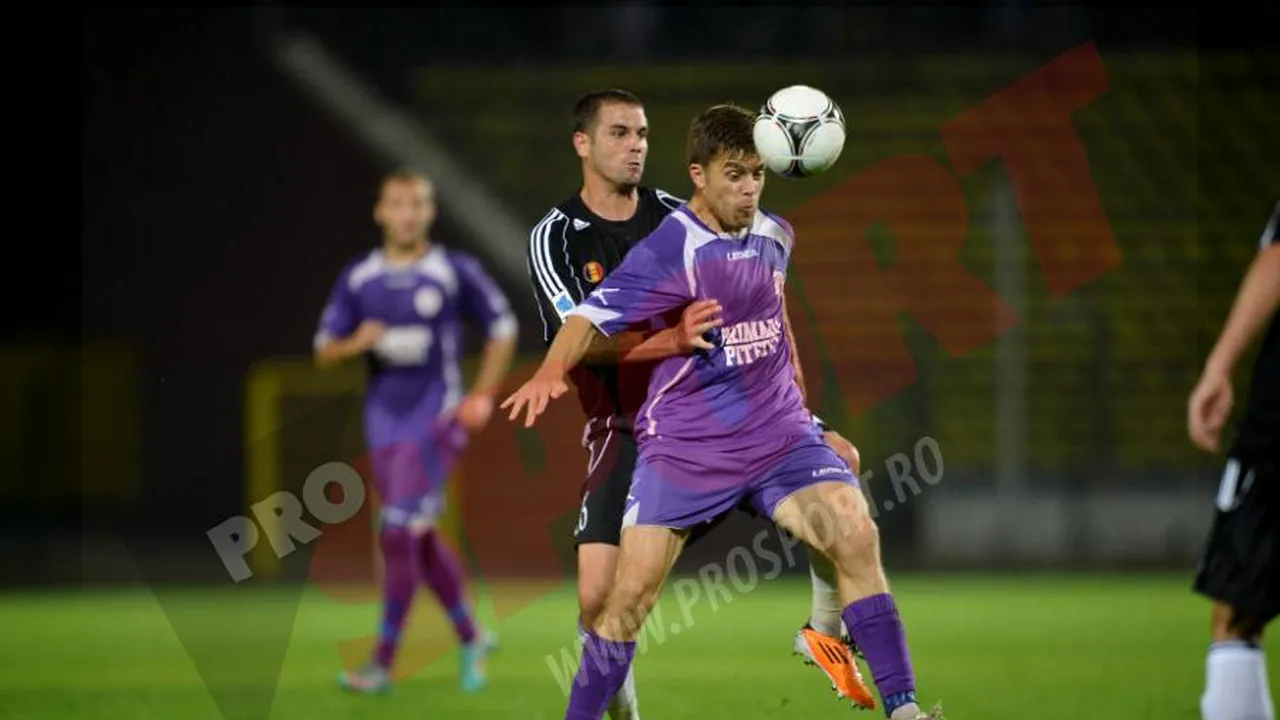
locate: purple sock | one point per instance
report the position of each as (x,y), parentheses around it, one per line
(400,557)
(443,574)
(874,624)
(603,669)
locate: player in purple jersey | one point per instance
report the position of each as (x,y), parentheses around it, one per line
(402,307)
(571,251)
(724,427)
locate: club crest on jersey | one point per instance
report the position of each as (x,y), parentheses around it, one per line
(779,281)
(593,272)
(427,302)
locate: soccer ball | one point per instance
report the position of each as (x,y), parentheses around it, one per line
(799,132)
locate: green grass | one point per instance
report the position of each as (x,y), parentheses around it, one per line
(1052,648)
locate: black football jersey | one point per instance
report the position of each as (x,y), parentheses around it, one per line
(570,251)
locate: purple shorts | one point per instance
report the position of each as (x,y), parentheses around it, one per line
(681,490)
(411,476)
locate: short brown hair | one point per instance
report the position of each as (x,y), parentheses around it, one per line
(587,110)
(720,129)
(404,174)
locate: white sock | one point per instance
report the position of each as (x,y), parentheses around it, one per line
(910,711)
(1236,683)
(825,614)
(624,705)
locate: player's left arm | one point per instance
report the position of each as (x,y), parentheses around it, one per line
(488,306)
(642,346)
(790,233)
(641,288)
(795,351)
(651,280)
(845,449)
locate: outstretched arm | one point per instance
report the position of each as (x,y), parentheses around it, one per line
(548,382)
(697,318)
(559,288)
(631,346)
(650,282)
(570,346)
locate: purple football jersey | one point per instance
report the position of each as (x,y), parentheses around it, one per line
(722,400)
(414,373)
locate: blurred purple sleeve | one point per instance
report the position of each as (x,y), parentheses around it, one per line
(341,314)
(482,299)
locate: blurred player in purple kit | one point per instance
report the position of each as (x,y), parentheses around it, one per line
(723,427)
(402,306)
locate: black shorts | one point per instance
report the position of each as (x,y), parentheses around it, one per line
(1241,561)
(611,462)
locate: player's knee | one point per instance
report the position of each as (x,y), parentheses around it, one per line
(592,594)
(394,537)
(396,540)
(597,564)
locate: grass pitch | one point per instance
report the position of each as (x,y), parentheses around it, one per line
(1044,647)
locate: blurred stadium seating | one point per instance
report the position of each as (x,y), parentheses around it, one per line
(1179,150)
(1078,407)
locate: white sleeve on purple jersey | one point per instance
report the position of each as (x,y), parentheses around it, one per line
(654,278)
(341,314)
(482,299)
(789,232)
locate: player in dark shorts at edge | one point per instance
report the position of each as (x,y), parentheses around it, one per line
(1240,568)
(571,250)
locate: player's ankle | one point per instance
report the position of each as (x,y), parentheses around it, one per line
(901,706)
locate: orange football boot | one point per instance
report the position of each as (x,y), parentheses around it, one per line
(836,660)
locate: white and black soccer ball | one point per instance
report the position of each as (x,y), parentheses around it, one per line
(799,132)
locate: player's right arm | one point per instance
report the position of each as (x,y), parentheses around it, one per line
(1256,301)
(651,281)
(343,333)
(558,290)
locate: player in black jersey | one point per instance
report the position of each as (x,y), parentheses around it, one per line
(1240,569)
(571,250)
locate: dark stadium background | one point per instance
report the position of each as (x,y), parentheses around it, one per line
(159,383)
(219,199)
